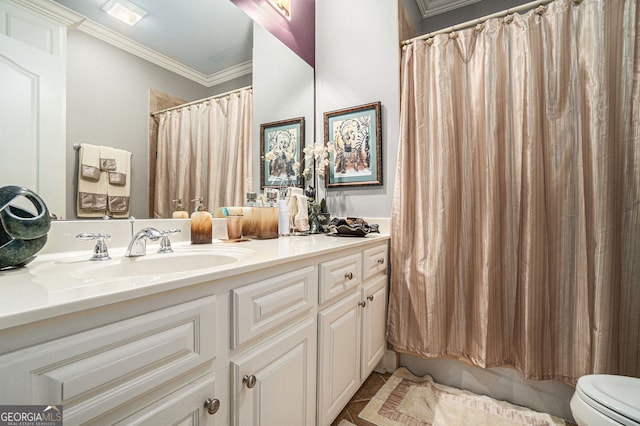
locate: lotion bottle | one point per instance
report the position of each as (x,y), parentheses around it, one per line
(201,224)
(180,212)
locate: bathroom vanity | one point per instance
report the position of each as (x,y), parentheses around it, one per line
(276,332)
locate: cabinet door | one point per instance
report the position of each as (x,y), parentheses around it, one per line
(373,323)
(274,384)
(338,356)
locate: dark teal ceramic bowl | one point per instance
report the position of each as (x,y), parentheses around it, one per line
(22,233)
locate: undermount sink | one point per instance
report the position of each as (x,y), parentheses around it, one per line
(152,267)
(155,265)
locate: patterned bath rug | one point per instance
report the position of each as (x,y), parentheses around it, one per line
(407,400)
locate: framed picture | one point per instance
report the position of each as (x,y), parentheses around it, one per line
(355,134)
(281,145)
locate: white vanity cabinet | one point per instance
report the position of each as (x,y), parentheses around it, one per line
(273,364)
(374,311)
(351,326)
(283,341)
(160,361)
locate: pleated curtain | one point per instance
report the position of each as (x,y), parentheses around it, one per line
(204,150)
(516,211)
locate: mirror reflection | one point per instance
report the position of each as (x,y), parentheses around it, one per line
(112,86)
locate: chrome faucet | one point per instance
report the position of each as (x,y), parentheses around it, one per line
(100,251)
(138,245)
(165,243)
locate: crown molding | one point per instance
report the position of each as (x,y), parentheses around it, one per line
(52,11)
(74,20)
(229,73)
(435,7)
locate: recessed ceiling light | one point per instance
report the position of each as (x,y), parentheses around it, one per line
(124,10)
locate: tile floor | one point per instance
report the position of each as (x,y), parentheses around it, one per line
(361,399)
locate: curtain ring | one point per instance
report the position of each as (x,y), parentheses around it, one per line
(429,41)
(508,19)
(479,27)
(541,10)
(453,35)
(577,2)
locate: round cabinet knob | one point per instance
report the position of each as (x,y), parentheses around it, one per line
(212,405)
(362,303)
(349,275)
(381,261)
(250,381)
(370,297)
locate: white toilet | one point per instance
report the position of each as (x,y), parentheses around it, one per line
(602,399)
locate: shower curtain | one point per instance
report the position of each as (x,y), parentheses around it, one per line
(204,150)
(516,213)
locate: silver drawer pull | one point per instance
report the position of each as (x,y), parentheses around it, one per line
(370,297)
(349,275)
(250,381)
(212,405)
(362,303)
(381,261)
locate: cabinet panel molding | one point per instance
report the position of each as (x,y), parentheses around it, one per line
(339,276)
(274,383)
(98,370)
(374,323)
(375,260)
(338,356)
(265,305)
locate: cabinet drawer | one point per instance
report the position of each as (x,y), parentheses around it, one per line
(183,407)
(98,370)
(339,276)
(265,305)
(375,261)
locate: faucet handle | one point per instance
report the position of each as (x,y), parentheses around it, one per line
(165,243)
(100,251)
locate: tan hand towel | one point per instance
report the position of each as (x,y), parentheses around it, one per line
(92,183)
(119,189)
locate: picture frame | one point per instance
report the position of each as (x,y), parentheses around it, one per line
(281,144)
(353,137)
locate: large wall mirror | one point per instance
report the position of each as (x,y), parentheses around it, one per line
(110,79)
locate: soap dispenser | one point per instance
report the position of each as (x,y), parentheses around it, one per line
(249,221)
(268,216)
(201,224)
(180,212)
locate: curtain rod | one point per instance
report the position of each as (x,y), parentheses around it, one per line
(473,22)
(221,95)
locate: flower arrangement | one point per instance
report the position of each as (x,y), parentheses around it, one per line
(318,155)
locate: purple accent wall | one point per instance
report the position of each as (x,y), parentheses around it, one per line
(298,33)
